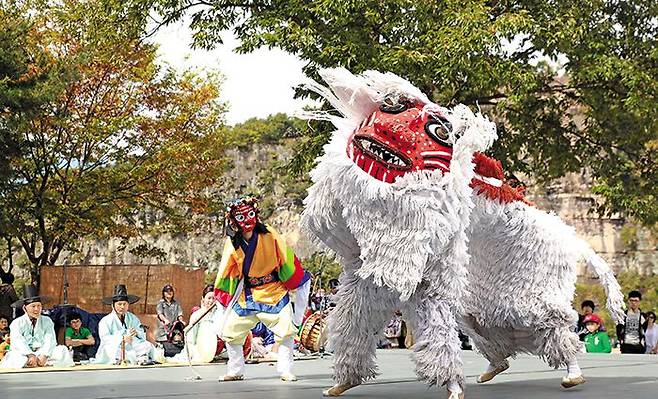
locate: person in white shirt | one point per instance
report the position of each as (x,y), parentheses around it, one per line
(651,334)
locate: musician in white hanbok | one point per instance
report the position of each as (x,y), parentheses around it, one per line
(33,342)
(122,336)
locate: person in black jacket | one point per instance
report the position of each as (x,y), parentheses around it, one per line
(631,333)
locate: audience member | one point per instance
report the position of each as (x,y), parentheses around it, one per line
(7,296)
(33,342)
(201,339)
(4,345)
(79,338)
(334,285)
(631,334)
(169,313)
(596,341)
(651,334)
(319,300)
(587,308)
(121,333)
(394,331)
(262,342)
(4,322)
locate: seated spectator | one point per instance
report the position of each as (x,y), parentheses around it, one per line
(33,342)
(651,334)
(394,331)
(121,333)
(4,345)
(596,341)
(4,322)
(262,342)
(79,338)
(7,295)
(169,313)
(631,333)
(202,338)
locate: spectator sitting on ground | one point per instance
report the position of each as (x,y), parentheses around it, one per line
(631,333)
(33,336)
(4,345)
(262,342)
(4,322)
(651,334)
(202,338)
(7,296)
(79,338)
(394,331)
(121,333)
(596,341)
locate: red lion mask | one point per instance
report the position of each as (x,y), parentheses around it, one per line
(401,137)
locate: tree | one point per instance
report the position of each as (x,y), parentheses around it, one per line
(499,54)
(118,134)
(21,90)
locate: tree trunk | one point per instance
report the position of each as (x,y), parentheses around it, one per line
(35,275)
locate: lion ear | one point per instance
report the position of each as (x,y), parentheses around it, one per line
(472,132)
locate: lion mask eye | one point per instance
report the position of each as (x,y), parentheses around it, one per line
(439,130)
(394,105)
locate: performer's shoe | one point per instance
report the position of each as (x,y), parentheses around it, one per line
(228,378)
(572,382)
(338,389)
(454,395)
(288,377)
(489,375)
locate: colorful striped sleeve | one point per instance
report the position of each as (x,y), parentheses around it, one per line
(291,273)
(226,282)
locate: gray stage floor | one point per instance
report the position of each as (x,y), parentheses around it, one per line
(608,376)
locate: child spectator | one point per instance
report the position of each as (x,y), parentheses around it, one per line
(4,322)
(596,341)
(4,345)
(587,308)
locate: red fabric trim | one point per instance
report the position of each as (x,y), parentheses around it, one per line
(490,167)
(296,278)
(487,166)
(222,297)
(504,193)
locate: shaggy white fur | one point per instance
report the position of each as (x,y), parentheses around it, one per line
(406,245)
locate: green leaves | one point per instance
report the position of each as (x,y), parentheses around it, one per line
(116,135)
(572,84)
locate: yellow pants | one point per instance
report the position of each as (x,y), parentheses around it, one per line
(237,327)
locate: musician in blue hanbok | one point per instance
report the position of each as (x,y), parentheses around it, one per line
(121,333)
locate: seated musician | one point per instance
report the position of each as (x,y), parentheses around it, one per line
(122,338)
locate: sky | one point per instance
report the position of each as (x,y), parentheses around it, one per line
(257,84)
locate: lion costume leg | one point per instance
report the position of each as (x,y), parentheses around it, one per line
(437,349)
(495,350)
(558,346)
(355,325)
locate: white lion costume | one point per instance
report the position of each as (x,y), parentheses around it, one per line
(421,220)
